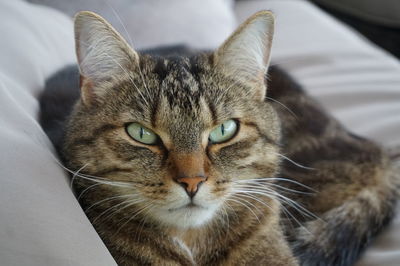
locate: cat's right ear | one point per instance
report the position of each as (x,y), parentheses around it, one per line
(102,53)
(245,55)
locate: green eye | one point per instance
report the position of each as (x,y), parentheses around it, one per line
(223,132)
(141,133)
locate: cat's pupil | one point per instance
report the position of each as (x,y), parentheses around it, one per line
(141,133)
(222,129)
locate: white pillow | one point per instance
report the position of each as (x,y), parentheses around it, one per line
(41,222)
(356,81)
(198,23)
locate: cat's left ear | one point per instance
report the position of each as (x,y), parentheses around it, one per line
(245,55)
(102,54)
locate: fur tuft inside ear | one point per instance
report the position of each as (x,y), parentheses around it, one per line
(245,55)
(101,52)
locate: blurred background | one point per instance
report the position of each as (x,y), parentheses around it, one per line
(378,20)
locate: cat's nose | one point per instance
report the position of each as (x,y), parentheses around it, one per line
(191,184)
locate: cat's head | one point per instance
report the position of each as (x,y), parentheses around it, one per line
(177,137)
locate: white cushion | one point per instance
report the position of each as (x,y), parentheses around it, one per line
(148,23)
(41,222)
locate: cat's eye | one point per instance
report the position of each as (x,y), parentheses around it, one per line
(223,132)
(141,134)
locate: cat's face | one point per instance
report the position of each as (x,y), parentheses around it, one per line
(179,134)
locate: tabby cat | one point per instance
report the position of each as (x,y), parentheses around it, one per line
(198,159)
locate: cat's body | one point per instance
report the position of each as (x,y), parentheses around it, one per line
(234,217)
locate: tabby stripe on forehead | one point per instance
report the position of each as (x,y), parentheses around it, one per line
(154,110)
(96,133)
(213,111)
(265,137)
(195,69)
(160,69)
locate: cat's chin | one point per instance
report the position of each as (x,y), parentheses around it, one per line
(187,216)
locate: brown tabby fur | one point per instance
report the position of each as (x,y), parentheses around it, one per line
(354,182)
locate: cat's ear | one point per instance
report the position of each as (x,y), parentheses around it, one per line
(245,55)
(102,53)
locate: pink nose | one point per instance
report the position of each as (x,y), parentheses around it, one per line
(191,184)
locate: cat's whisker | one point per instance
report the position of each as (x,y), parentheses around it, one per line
(285,189)
(142,223)
(147,206)
(283,179)
(239,196)
(226,217)
(120,21)
(293,162)
(127,203)
(239,201)
(118,210)
(268,192)
(248,195)
(87,189)
(276,186)
(106,199)
(298,207)
(284,106)
(286,211)
(75,175)
(232,209)
(108,182)
(268,180)
(291,218)
(94,178)
(223,219)
(131,44)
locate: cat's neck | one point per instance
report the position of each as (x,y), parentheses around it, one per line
(237,224)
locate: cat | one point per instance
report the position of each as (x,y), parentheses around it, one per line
(195,158)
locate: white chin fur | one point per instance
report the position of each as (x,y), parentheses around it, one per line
(177,215)
(187,217)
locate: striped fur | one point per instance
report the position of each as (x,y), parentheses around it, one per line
(291,187)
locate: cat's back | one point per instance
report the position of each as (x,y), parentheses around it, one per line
(57,100)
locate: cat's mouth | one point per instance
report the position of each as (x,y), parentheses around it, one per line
(188,214)
(189,205)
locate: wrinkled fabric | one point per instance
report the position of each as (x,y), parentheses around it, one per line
(41,222)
